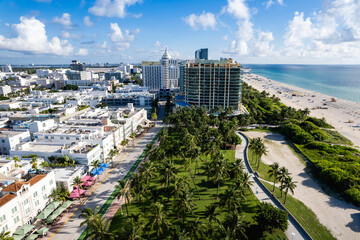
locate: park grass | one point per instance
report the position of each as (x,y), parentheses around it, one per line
(304,215)
(263,168)
(207,192)
(336,138)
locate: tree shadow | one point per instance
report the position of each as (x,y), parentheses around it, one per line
(355,224)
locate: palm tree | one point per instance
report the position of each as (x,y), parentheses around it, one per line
(246,181)
(157,219)
(274,172)
(167,173)
(148,172)
(230,200)
(134,228)
(237,225)
(16,161)
(5,236)
(211,214)
(122,191)
(133,136)
(178,233)
(100,230)
(89,216)
(77,182)
(288,184)
(34,163)
(284,173)
(95,164)
(138,128)
(260,151)
(237,168)
(184,205)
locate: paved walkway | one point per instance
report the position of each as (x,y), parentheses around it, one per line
(69,227)
(292,232)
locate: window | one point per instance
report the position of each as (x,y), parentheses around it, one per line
(46,137)
(45,197)
(16,219)
(2,218)
(35,194)
(67,138)
(37,202)
(61,137)
(77,138)
(14,210)
(27,211)
(3,140)
(43,188)
(26,201)
(5,228)
(52,137)
(51,182)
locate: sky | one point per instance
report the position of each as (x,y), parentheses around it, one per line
(131,31)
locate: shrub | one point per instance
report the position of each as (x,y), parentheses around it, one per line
(319,135)
(319,122)
(270,218)
(296,134)
(354,195)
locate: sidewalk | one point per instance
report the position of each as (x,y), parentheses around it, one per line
(69,226)
(292,232)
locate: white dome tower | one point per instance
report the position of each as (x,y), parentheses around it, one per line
(165,63)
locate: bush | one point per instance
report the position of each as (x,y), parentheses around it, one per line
(270,218)
(296,134)
(354,195)
(319,122)
(319,135)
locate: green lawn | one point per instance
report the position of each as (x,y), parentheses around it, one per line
(304,215)
(207,194)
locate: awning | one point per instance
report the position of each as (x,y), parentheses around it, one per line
(52,205)
(44,214)
(104,165)
(54,215)
(67,204)
(97,171)
(32,236)
(18,237)
(92,179)
(24,230)
(42,230)
(87,183)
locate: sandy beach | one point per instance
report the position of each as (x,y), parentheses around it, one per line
(342,114)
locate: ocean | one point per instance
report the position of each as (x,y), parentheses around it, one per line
(341,81)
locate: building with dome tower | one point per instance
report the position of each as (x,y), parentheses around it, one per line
(161,75)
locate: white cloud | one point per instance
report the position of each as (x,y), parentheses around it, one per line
(247,41)
(333,32)
(7,24)
(204,21)
(66,34)
(82,52)
(31,38)
(104,45)
(121,39)
(226,37)
(157,44)
(88,22)
(112,8)
(64,20)
(271,2)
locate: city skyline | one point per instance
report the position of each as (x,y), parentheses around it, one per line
(267,31)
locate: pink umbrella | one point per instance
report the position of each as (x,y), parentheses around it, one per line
(76,193)
(92,179)
(85,178)
(87,183)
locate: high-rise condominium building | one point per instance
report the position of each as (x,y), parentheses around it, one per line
(77,66)
(153,76)
(213,83)
(201,54)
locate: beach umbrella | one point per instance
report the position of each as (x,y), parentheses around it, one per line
(32,236)
(92,179)
(18,237)
(87,183)
(44,214)
(85,178)
(53,205)
(67,204)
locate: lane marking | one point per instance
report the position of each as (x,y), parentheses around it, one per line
(97,186)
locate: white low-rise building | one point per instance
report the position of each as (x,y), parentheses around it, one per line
(5,90)
(66,176)
(10,139)
(21,202)
(83,153)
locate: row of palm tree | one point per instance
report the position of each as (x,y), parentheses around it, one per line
(97,227)
(282,175)
(258,149)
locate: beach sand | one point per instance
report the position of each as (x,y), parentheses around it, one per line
(343,115)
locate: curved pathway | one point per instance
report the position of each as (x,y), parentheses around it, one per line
(293,232)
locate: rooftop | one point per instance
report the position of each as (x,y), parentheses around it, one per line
(7,198)
(14,187)
(6,134)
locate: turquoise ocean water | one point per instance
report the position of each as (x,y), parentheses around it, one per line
(341,81)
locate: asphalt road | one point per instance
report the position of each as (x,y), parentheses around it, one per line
(71,229)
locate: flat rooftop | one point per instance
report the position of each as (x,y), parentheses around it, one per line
(6,134)
(63,174)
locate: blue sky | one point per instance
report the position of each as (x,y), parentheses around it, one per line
(250,31)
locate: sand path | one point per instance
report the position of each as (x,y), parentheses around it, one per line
(342,218)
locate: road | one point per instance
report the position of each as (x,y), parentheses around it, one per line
(292,232)
(71,230)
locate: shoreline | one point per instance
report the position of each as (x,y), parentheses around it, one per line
(343,115)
